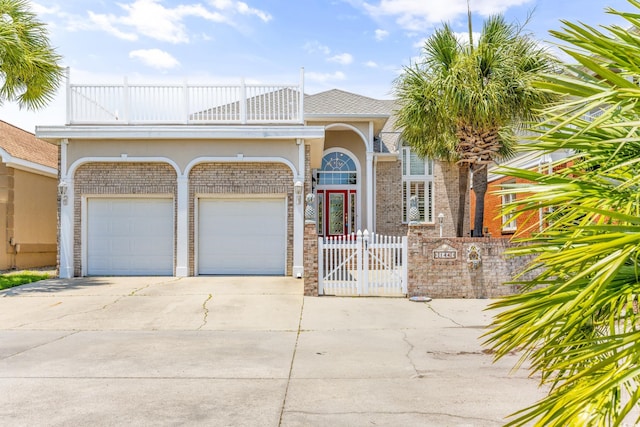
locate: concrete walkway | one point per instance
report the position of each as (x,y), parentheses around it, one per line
(238,351)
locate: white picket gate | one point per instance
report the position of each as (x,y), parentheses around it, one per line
(362,264)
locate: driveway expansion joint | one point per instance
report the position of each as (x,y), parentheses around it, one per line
(293,358)
(39,345)
(365,413)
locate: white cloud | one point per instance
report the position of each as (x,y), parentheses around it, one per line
(154,20)
(324,77)
(155,58)
(244,9)
(315,47)
(241,8)
(371,64)
(381,34)
(342,58)
(416,15)
(105,23)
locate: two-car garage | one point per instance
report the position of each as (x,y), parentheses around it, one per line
(135,236)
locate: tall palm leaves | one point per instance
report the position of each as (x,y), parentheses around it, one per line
(577,321)
(463,103)
(29,67)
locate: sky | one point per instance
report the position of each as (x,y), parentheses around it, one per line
(358,46)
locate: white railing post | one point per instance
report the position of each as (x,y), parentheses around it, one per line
(125,99)
(185,99)
(405,262)
(301,98)
(359,268)
(365,262)
(69,96)
(320,266)
(243,102)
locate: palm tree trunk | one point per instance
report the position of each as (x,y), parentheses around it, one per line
(463,188)
(480,174)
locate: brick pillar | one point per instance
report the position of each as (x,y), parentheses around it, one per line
(310,259)
(418,264)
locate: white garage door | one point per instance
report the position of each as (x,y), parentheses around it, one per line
(127,237)
(242,236)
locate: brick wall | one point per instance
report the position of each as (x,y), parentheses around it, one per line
(389,199)
(455,277)
(241,178)
(310,259)
(117,179)
(446,199)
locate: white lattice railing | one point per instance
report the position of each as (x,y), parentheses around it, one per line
(184,103)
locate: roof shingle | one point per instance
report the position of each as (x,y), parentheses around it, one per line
(24,145)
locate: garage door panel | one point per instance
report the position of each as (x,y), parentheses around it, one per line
(242,236)
(129,236)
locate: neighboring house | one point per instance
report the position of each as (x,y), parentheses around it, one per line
(191,180)
(28,199)
(496,223)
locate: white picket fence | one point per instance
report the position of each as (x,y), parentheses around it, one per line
(362,264)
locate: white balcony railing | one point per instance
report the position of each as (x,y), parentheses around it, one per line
(185,103)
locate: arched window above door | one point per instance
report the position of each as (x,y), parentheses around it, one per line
(337,168)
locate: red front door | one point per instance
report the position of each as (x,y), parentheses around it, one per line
(337,212)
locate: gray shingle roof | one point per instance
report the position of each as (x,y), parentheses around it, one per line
(339,102)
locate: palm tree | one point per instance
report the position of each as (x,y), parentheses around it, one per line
(463,103)
(577,320)
(28,64)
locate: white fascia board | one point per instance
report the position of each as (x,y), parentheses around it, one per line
(387,156)
(56,133)
(26,165)
(349,117)
(528,161)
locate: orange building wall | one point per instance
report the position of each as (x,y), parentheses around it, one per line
(526,224)
(492,216)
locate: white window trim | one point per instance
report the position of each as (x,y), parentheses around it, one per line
(509,223)
(428,181)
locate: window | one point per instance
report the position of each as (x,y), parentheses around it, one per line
(417,180)
(508,221)
(337,169)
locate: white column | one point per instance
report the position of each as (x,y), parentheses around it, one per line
(182,228)
(66,213)
(370,221)
(66,230)
(298,215)
(370,225)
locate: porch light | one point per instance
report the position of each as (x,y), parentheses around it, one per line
(63,187)
(297,192)
(441,221)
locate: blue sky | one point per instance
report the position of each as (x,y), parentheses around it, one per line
(355,45)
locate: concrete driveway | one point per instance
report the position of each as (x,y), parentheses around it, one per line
(244,351)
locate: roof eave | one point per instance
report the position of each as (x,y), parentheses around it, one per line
(57,133)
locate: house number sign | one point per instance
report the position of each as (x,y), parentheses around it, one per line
(445,254)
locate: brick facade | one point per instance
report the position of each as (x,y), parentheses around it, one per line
(310,259)
(388,199)
(456,277)
(241,178)
(118,179)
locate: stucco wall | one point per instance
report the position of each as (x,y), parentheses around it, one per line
(184,151)
(34,219)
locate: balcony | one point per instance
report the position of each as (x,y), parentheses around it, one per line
(189,104)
